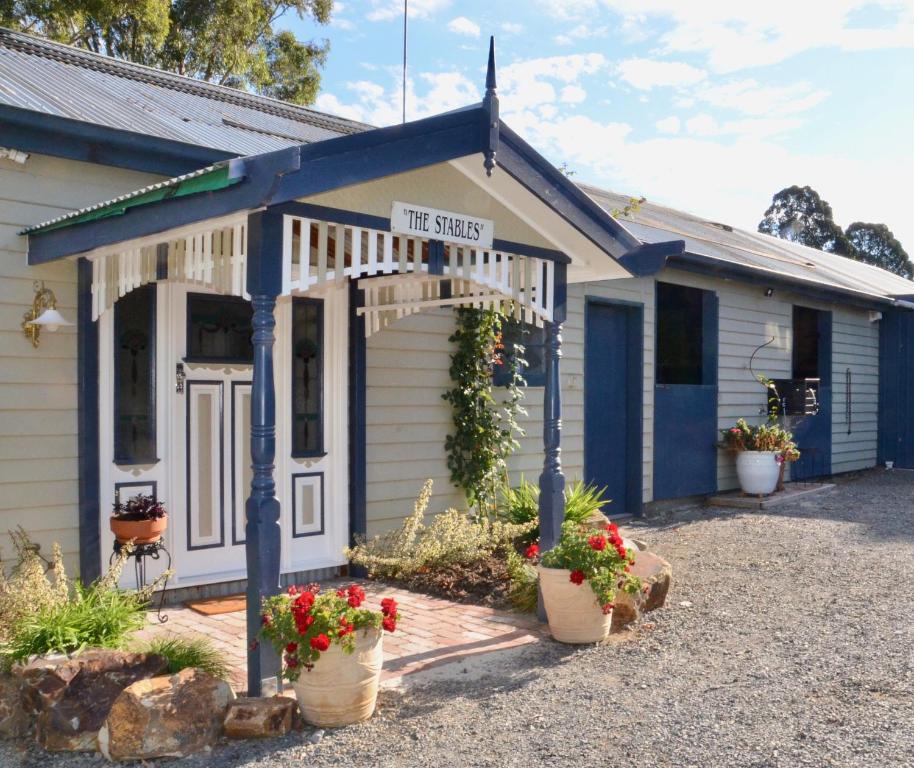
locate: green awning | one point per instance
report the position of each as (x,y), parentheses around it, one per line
(207,180)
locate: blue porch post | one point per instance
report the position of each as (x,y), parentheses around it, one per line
(552,481)
(262,544)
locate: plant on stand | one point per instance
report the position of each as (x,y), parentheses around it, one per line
(331,649)
(580,613)
(141,520)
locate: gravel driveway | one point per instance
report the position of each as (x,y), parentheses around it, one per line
(788,640)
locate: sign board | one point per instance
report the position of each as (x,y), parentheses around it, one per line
(418,221)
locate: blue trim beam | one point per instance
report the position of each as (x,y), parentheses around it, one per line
(358,447)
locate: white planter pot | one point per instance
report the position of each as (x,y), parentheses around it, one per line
(574,614)
(757,471)
(342,689)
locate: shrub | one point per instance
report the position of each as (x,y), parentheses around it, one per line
(522,592)
(189,653)
(520,505)
(69,617)
(452,538)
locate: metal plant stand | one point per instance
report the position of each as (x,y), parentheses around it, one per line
(141,552)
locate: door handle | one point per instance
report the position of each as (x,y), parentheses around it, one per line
(180,378)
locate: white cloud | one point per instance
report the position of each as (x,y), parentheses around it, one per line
(512,28)
(385,10)
(668,124)
(573,94)
(645,74)
(753,98)
(463,26)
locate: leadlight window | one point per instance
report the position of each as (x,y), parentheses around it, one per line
(533,339)
(307,377)
(134,377)
(219,329)
(680,331)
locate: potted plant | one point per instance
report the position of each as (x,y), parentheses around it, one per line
(579,612)
(141,520)
(331,649)
(761,453)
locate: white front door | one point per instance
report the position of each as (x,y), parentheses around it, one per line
(211,466)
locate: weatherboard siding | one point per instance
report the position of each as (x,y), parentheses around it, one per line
(38,434)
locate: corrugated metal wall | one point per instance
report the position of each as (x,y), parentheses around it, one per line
(38,450)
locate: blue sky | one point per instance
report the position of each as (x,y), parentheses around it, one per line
(707,106)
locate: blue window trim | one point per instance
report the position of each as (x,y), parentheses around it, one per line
(123,457)
(187,468)
(214,298)
(319,451)
(295,532)
(358,447)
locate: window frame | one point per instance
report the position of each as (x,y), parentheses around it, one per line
(708,342)
(213,298)
(500,377)
(120,456)
(320,450)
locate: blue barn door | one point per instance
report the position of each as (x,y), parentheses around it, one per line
(896,388)
(812,332)
(613,365)
(685,393)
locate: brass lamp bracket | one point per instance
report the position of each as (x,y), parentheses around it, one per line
(44,299)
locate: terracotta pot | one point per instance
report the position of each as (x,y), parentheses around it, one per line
(758,471)
(573,612)
(141,531)
(342,689)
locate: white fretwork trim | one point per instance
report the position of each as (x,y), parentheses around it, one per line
(315,252)
(213,258)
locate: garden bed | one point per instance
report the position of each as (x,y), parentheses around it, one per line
(486,582)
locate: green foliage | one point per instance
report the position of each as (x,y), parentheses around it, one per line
(597,557)
(189,653)
(766,437)
(484,431)
(231,42)
(44,615)
(875,244)
(452,538)
(799,214)
(523,591)
(520,505)
(92,618)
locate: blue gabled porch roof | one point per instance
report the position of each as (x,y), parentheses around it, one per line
(285,175)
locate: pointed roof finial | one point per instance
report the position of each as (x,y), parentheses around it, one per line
(490,72)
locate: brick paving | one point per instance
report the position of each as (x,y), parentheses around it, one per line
(431,632)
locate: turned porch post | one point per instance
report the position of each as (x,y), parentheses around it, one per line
(262,532)
(552,481)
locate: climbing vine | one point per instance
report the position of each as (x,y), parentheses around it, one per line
(485,430)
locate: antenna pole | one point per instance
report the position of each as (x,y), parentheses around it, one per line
(405,14)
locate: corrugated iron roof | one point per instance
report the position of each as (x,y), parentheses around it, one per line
(652,223)
(60,80)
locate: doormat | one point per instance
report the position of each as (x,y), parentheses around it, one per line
(218,605)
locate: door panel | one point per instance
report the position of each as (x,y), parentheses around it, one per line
(812,434)
(612,405)
(241,456)
(205,467)
(685,440)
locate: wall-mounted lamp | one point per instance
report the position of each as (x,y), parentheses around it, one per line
(42,314)
(769,292)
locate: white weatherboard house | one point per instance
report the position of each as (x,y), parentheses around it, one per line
(262,297)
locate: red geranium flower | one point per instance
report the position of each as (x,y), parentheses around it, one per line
(597,543)
(341,593)
(389,623)
(576,577)
(291,661)
(265,620)
(389,606)
(356,595)
(532,551)
(320,642)
(291,647)
(607,609)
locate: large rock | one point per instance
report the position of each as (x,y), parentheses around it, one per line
(656,576)
(14,722)
(72,696)
(260,718)
(171,716)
